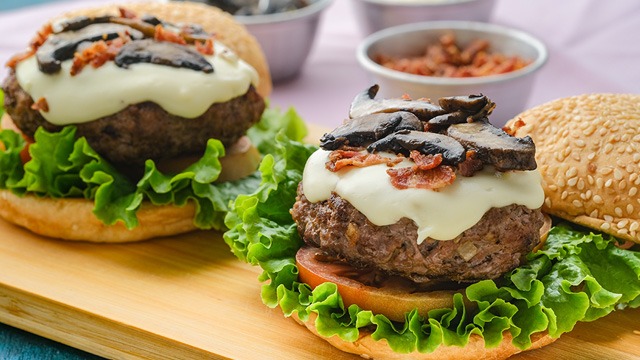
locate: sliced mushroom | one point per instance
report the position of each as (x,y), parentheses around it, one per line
(427,143)
(462,109)
(161,53)
(364,130)
(62,46)
(364,104)
(79,22)
(495,147)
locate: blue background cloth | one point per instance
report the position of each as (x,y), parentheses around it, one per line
(16,344)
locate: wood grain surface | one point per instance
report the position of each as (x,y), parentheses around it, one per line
(188,297)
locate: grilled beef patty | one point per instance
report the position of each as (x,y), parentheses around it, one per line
(145,131)
(495,245)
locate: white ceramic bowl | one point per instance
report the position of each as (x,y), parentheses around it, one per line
(287,37)
(375,15)
(510,91)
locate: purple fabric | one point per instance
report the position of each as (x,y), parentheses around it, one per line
(593,47)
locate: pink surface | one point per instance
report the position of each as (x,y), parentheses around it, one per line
(593,47)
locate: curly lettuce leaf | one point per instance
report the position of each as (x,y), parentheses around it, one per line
(577,276)
(63,165)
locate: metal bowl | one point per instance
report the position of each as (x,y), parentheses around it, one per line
(287,37)
(375,15)
(510,91)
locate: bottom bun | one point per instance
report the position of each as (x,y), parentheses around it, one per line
(369,348)
(73,219)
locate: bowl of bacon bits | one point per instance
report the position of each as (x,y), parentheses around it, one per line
(443,58)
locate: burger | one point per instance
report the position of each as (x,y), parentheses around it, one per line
(419,230)
(125,123)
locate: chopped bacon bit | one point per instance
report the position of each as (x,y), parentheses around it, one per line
(127,14)
(341,158)
(165,35)
(97,54)
(15,59)
(470,165)
(406,96)
(412,177)
(206,48)
(625,244)
(425,162)
(40,105)
(36,42)
(514,127)
(41,37)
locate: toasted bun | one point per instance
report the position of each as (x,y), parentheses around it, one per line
(213,20)
(73,219)
(369,348)
(588,152)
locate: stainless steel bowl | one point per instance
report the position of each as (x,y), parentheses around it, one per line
(375,15)
(286,38)
(510,91)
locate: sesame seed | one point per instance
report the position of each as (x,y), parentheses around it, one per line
(561,182)
(577,203)
(552,187)
(580,184)
(591,156)
(608,218)
(622,223)
(607,148)
(580,143)
(597,199)
(622,184)
(617,174)
(620,150)
(629,209)
(630,169)
(547,202)
(608,183)
(634,226)
(636,157)
(588,194)
(599,183)
(589,131)
(606,170)
(590,179)
(564,195)
(618,211)
(602,131)
(571,172)
(633,191)
(594,213)
(605,226)
(573,181)
(633,177)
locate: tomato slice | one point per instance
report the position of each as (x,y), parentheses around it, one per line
(387,295)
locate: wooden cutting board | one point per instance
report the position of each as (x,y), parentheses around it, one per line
(188,297)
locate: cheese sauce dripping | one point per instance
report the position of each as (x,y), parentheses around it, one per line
(441,215)
(95,93)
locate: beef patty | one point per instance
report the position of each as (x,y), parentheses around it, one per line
(145,130)
(497,244)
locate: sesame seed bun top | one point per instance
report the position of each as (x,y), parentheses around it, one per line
(588,152)
(213,20)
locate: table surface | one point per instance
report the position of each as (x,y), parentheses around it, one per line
(591,45)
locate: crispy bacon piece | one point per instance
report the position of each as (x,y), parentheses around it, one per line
(341,158)
(34,44)
(206,48)
(471,165)
(97,54)
(40,105)
(425,162)
(514,127)
(126,13)
(412,177)
(165,35)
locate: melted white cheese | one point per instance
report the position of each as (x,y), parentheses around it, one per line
(95,93)
(441,215)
